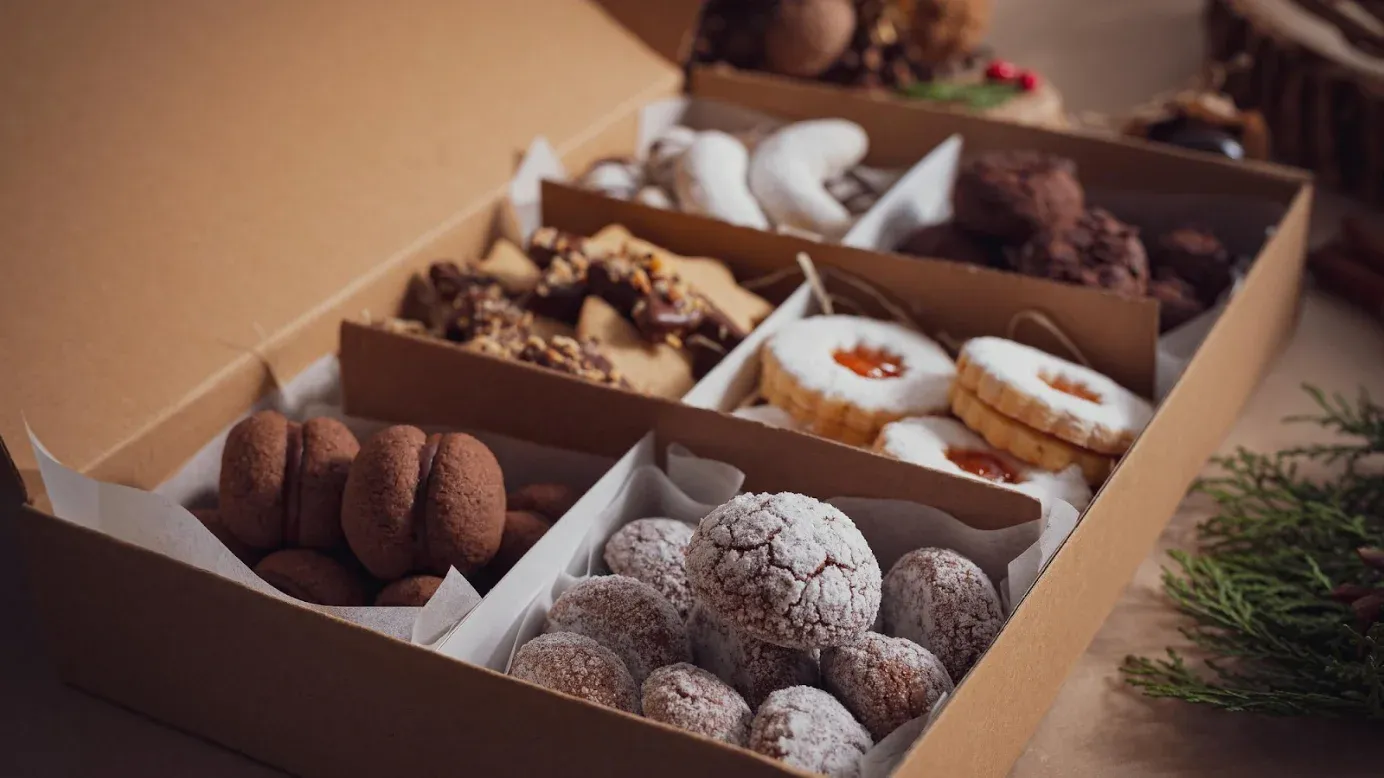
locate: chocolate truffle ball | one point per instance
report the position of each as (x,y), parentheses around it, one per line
(751,666)
(626,616)
(411,592)
(211,519)
(1100,252)
(311,576)
(423,503)
(785,568)
(884,682)
(281,482)
(945,603)
(690,698)
(1012,195)
(1195,256)
(577,665)
(550,501)
(522,530)
(808,729)
(950,242)
(805,37)
(654,551)
(1177,301)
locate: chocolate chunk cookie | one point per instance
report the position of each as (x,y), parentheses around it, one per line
(1099,251)
(1012,195)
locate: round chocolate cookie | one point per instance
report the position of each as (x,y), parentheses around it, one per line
(211,519)
(945,603)
(281,482)
(522,530)
(754,668)
(577,665)
(1177,301)
(1100,251)
(423,503)
(1013,195)
(311,576)
(1195,256)
(654,551)
(626,616)
(550,501)
(411,592)
(950,242)
(690,698)
(786,569)
(885,682)
(808,729)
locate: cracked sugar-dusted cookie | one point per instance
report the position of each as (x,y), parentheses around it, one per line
(688,697)
(809,729)
(944,602)
(787,569)
(886,682)
(654,551)
(626,616)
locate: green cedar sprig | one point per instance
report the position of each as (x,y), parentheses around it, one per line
(1285,592)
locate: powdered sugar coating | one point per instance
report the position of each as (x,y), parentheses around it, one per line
(805,349)
(576,665)
(654,551)
(808,729)
(885,682)
(628,617)
(1024,368)
(690,698)
(945,603)
(754,668)
(785,568)
(925,441)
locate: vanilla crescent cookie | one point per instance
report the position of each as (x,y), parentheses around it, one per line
(1051,395)
(1030,445)
(947,445)
(845,377)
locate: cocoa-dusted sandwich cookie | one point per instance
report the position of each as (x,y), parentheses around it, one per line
(411,592)
(423,503)
(1013,195)
(1100,251)
(211,519)
(281,482)
(522,530)
(550,501)
(948,241)
(312,576)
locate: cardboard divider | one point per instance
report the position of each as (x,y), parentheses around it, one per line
(1118,335)
(898,127)
(556,410)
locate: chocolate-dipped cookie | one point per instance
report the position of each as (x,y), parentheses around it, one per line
(423,503)
(281,482)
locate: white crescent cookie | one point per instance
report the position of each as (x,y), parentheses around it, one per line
(806,350)
(1052,395)
(933,441)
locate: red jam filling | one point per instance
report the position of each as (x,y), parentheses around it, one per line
(1074,388)
(870,362)
(983,464)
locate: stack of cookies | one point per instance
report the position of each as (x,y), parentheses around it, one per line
(331,522)
(1025,211)
(739,631)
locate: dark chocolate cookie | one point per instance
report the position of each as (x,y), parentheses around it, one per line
(1012,195)
(1099,251)
(950,242)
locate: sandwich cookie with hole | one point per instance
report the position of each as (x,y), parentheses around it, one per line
(1044,410)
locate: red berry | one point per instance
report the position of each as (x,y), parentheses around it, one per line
(1001,70)
(1028,81)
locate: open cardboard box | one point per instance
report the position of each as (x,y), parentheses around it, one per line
(350,150)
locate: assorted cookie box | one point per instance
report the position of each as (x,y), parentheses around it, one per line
(335,209)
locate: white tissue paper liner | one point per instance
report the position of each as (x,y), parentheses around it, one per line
(689,489)
(541,162)
(159,522)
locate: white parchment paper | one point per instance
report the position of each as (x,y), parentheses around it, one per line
(691,487)
(161,522)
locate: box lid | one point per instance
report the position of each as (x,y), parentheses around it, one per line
(184,179)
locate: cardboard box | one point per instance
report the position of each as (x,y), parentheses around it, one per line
(164,288)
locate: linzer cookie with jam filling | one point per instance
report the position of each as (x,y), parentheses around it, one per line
(845,377)
(1053,396)
(947,445)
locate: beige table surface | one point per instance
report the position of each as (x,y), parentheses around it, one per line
(1106,55)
